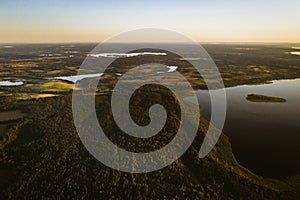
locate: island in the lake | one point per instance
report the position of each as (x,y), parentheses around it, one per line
(263,98)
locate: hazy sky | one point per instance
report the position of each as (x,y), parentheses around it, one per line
(203,20)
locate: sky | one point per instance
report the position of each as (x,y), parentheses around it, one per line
(203,20)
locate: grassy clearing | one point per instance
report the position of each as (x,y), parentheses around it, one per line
(26,96)
(52,86)
(55,72)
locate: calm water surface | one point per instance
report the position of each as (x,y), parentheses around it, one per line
(265,137)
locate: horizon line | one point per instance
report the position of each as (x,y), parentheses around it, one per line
(202,42)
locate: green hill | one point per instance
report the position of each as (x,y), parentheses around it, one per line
(42,157)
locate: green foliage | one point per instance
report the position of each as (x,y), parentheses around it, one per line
(43,157)
(263,98)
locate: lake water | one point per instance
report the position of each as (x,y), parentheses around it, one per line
(265,137)
(295,53)
(76,78)
(10,83)
(126,55)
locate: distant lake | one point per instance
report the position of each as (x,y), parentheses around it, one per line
(265,137)
(295,53)
(10,83)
